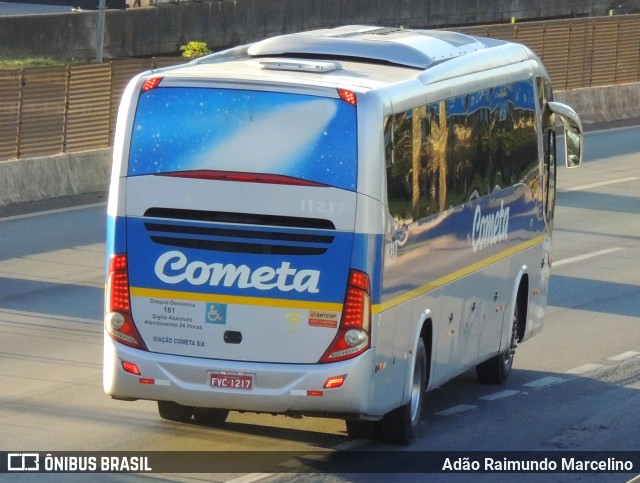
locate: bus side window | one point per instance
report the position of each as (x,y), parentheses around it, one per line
(398,165)
(388,141)
(457,150)
(549,174)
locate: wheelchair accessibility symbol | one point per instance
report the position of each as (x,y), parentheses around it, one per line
(216,314)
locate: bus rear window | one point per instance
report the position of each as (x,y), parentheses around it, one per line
(300,136)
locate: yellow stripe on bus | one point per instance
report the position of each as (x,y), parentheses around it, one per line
(329,306)
(457,274)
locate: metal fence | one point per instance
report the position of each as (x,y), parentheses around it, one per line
(46,111)
(50,110)
(584,52)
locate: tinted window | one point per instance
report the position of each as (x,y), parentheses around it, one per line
(450,152)
(306,137)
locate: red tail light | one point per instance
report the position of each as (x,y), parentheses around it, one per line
(131,368)
(353,337)
(334,382)
(348,96)
(117,321)
(243,177)
(151,83)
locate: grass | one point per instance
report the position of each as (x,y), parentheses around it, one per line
(32,62)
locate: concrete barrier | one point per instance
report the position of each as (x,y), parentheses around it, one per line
(606,103)
(85,172)
(48,177)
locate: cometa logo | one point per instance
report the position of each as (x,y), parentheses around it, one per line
(489,229)
(174,267)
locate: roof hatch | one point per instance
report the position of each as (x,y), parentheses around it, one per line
(300,65)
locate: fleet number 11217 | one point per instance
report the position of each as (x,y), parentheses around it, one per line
(315,206)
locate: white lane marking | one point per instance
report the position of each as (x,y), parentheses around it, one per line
(586,256)
(349,444)
(51,212)
(291,464)
(584,369)
(299,462)
(624,356)
(250,478)
(500,395)
(460,408)
(545,381)
(601,183)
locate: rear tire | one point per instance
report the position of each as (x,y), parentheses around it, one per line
(172,411)
(210,416)
(497,369)
(400,425)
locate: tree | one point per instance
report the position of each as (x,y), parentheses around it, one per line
(194,49)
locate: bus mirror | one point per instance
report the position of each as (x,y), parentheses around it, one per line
(573,145)
(573,133)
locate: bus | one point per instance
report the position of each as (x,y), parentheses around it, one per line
(330,223)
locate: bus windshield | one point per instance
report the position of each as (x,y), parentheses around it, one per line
(305,137)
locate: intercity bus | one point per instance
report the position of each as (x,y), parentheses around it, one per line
(330,223)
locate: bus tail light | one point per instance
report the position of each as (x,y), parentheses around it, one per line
(118,321)
(131,368)
(335,382)
(348,96)
(353,337)
(151,83)
(217,175)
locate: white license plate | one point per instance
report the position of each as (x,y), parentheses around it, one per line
(227,380)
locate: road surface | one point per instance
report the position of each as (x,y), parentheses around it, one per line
(574,387)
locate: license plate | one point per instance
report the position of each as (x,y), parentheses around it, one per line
(226,380)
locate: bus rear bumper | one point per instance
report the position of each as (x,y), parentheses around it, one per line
(276,388)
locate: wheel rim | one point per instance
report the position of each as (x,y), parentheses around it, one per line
(416,392)
(508,354)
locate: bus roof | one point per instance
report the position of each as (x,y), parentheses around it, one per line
(410,48)
(384,55)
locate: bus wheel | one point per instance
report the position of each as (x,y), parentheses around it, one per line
(210,416)
(400,425)
(173,411)
(497,369)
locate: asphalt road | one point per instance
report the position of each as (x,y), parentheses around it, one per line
(575,387)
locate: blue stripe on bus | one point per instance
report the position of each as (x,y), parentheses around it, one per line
(435,247)
(178,264)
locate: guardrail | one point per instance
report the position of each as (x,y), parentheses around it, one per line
(45,111)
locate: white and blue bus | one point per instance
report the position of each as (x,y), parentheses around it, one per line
(330,223)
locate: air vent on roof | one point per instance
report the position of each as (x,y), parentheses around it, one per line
(300,66)
(410,48)
(304,45)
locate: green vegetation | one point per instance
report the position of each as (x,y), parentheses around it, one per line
(194,49)
(32,62)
